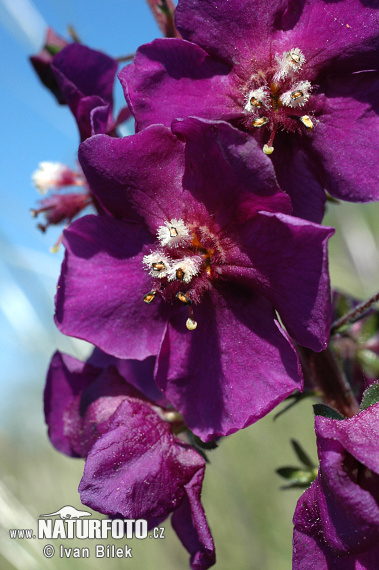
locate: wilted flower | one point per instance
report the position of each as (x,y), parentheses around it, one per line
(60,207)
(205,239)
(54,176)
(299,76)
(136,467)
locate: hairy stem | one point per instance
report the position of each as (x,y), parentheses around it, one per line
(355,314)
(322,370)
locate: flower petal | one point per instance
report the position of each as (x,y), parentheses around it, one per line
(102,285)
(337,36)
(190,524)
(138,176)
(66,379)
(227,171)
(344,141)
(171,78)
(286,259)
(237,31)
(233,369)
(138,468)
(300,176)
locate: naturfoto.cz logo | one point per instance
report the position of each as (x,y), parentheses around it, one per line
(71,523)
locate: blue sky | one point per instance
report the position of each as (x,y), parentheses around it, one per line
(34,129)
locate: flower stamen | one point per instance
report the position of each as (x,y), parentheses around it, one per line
(183,298)
(307,122)
(258,123)
(149,297)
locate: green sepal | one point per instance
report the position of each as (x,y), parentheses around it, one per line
(297,476)
(370,396)
(53,50)
(327,412)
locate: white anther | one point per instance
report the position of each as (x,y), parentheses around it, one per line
(173,233)
(256,99)
(186,268)
(290,62)
(157,264)
(298,95)
(49,175)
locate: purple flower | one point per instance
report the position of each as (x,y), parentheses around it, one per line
(86,79)
(200,232)
(337,518)
(300,76)
(135,466)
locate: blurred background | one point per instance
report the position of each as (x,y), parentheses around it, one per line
(249,515)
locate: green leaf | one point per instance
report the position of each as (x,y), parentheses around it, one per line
(301,454)
(327,412)
(370,396)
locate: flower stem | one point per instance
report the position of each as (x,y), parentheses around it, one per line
(355,314)
(163,11)
(322,370)
(123,58)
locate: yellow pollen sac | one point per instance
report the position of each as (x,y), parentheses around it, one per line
(307,122)
(268,149)
(183,298)
(191,324)
(173,231)
(149,297)
(297,94)
(180,274)
(159,266)
(295,57)
(260,122)
(255,102)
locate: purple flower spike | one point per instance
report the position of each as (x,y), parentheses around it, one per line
(202,255)
(86,79)
(300,76)
(337,518)
(135,467)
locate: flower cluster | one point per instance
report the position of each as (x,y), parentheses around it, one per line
(204,273)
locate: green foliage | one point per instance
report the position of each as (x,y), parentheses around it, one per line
(370,396)
(327,412)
